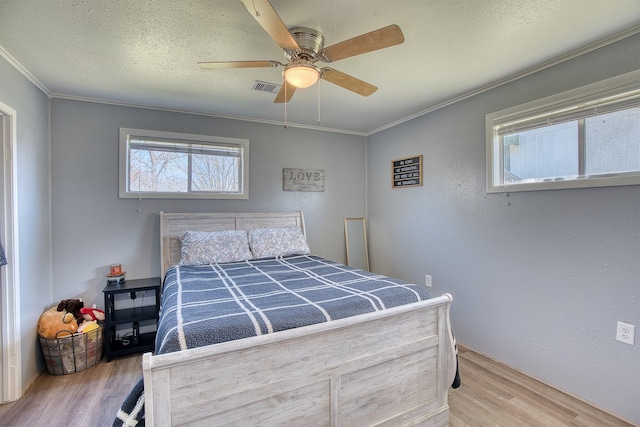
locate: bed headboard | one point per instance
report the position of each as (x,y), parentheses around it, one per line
(173,223)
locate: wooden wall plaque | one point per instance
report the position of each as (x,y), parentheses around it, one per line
(302,179)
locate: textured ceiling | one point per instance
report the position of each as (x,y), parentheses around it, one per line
(144,52)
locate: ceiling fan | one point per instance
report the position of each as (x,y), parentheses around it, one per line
(303,47)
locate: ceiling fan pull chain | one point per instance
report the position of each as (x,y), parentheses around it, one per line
(318,102)
(285,105)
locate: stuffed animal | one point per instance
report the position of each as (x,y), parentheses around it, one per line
(92,313)
(88,325)
(54,324)
(72,306)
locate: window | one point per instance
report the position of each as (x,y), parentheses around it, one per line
(588,137)
(156,164)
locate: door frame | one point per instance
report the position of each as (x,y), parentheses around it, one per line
(10,276)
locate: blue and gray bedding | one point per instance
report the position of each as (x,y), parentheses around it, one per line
(209,304)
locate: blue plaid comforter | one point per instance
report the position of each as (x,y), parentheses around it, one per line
(209,304)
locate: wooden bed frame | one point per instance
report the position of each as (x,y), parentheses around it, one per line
(387,368)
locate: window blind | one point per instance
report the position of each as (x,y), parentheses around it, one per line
(186,147)
(567,112)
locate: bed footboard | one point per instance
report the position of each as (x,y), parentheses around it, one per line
(388,368)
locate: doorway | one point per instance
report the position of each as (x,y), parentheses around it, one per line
(10,356)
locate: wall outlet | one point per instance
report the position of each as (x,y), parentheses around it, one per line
(626,333)
(427,280)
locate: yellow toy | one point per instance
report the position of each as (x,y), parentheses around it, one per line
(53,322)
(88,325)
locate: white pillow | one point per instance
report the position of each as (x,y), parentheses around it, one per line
(277,242)
(210,247)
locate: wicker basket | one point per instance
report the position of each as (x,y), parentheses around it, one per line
(72,353)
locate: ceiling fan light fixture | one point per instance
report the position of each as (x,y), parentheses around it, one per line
(301,74)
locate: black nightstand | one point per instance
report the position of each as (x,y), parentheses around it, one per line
(115,316)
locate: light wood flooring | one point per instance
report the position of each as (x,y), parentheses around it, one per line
(491,395)
(494,395)
(85,399)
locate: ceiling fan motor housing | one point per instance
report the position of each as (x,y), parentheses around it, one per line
(310,42)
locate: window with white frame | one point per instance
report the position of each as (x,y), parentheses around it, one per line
(587,137)
(155,164)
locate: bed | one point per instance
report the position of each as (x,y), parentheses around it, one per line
(320,364)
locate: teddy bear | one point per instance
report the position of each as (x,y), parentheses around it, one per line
(73,306)
(55,324)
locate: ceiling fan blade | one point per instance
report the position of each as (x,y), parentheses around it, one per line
(348,82)
(267,17)
(237,64)
(287,88)
(378,39)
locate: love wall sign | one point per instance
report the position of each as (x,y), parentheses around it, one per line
(302,179)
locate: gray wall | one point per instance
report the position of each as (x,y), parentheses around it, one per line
(93,228)
(34,232)
(539,284)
